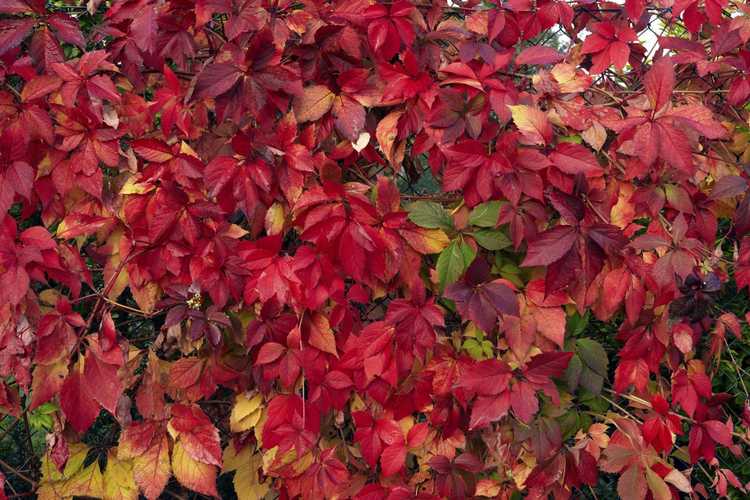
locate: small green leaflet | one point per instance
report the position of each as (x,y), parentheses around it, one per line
(430,215)
(485,214)
(491,239)
(588,367)
(453,261)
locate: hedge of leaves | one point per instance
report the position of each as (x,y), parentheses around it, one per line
(354,249)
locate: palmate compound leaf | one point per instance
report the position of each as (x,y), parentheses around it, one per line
(550,246)
(480,301)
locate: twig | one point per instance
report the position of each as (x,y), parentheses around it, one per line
(28,436)
(18,473)
(8,429)
(737,369)
(647,404)
(14,91)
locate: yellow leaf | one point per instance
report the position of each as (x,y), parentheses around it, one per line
(75,480)
(569,80)
(246,464)
(132,186)
(362,141)
(679,481)
(623,212)
(246,412)
(88,482)
(187,150)
(192,474)
(258,431)
(595,136)
(119,481)
(113,264)
(313,103)
(275,218)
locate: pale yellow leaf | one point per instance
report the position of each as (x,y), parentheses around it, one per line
(246,479)
(246,412)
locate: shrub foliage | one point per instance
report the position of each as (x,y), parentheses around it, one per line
(354,249)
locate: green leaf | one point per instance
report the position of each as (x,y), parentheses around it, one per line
(588,367)
(491,239)
(41,417)
(479,349)
(593,356)
(575,139)
(573,372)
(474,348)
(508,270)
(453,261)
(430,215)
(577,324)
(594,402)
(485,214)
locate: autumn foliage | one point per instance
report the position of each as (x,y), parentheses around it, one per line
(350,249)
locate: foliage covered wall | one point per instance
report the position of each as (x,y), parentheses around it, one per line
(374,250)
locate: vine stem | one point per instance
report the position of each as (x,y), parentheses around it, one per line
(108,288)
(636,399)
(301,350)
(737,369)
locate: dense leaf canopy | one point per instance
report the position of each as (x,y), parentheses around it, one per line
(354,249)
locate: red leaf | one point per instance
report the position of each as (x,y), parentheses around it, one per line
(550,246)
(392,459)
(574,159)
(197,434)
(101,380)
(269,352)
(216,79)
(79,406)
(40,87)
(538,54)
(659,83)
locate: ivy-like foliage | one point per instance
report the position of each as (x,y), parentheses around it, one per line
(349,249)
